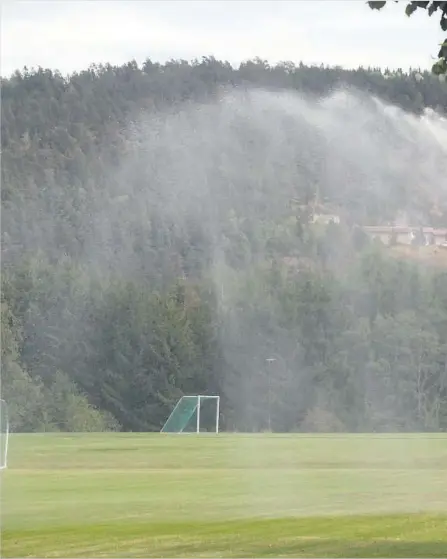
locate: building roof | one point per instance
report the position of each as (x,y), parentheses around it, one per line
(389,229)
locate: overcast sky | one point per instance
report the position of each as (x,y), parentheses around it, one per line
(69,35)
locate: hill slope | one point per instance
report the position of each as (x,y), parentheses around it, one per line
(147,218)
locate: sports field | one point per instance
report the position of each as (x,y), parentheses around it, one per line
(139,495)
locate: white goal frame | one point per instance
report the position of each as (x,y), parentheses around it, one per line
(200,398)
(4,433)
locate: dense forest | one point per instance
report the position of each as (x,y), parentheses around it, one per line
(158,239)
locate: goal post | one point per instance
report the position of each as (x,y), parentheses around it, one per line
(194,414)
(4,434)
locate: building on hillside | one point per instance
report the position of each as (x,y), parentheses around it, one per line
(407,235)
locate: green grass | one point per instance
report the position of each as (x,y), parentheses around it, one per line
(139,495)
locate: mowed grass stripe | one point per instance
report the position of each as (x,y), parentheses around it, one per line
(224,496)
(348,536)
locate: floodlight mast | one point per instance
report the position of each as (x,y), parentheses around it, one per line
(269,360)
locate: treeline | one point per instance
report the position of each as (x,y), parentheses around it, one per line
(148,252)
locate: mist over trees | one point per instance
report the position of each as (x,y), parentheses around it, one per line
(157,240)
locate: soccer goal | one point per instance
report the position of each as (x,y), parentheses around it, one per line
(194,414)
(4,434)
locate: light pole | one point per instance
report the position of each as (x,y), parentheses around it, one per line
(269,360)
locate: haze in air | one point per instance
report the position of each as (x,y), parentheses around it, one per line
(204,212)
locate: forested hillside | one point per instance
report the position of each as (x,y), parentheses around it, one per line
(158,240)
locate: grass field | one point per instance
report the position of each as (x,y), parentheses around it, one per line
(139,495)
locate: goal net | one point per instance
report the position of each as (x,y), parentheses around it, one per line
(4,434)
(194,414)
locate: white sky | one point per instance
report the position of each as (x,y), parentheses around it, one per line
(70,35)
